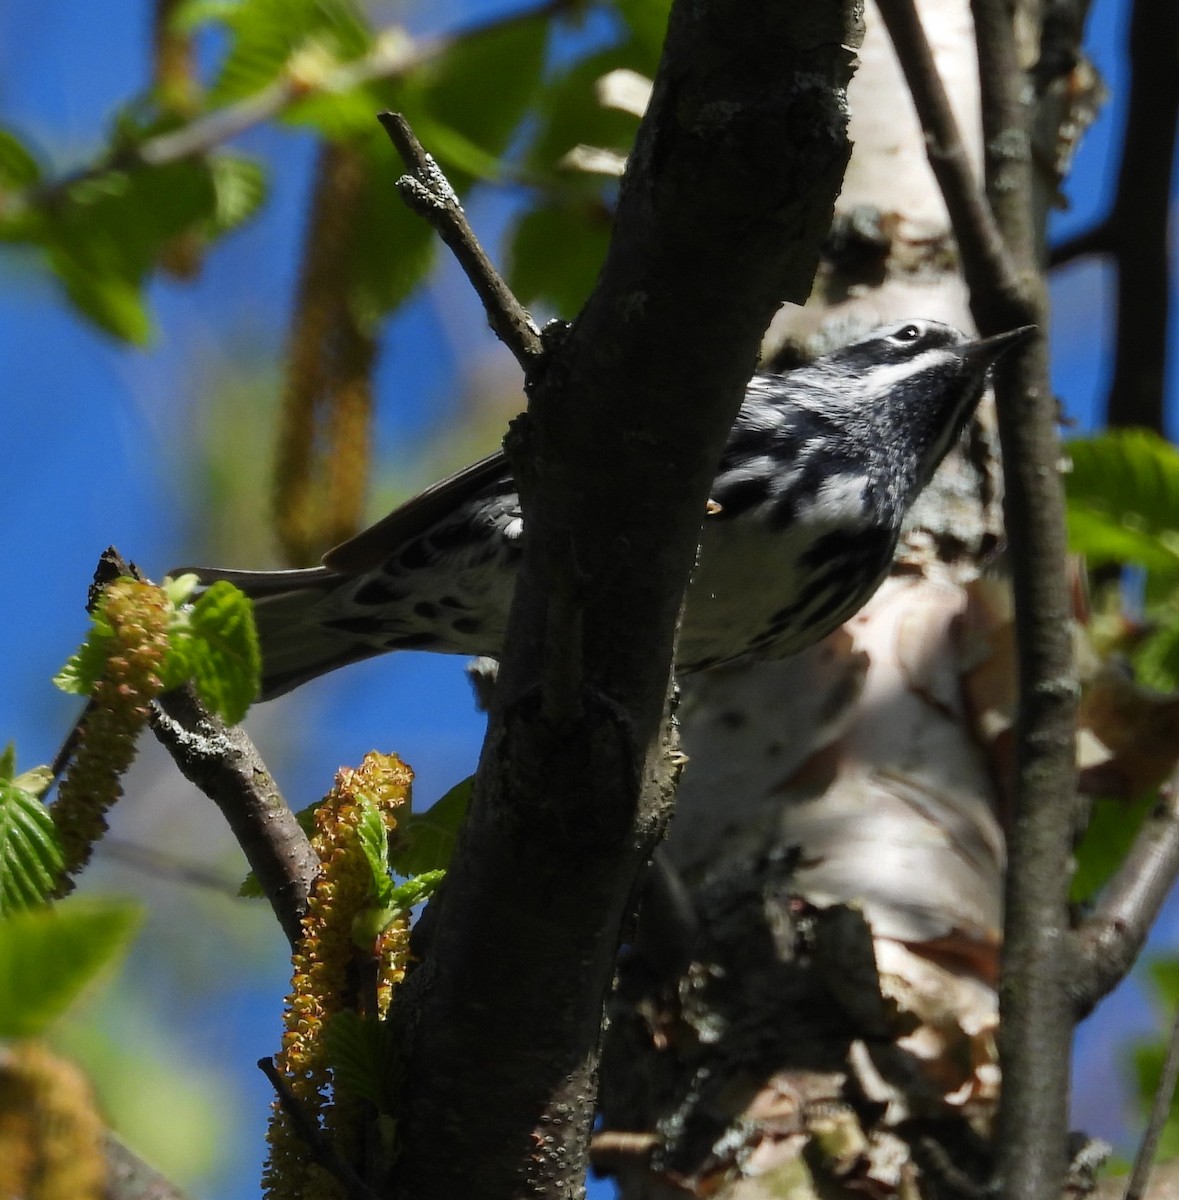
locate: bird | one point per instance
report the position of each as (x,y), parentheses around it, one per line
(819,469)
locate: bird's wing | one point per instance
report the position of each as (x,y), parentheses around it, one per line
(257,584)
(373,545)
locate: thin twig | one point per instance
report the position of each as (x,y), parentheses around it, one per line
(313,1136)
(1098,240)
(1111,939)
(1160,1110)
(61,759)
(427,192)
(151,861)
(223,762)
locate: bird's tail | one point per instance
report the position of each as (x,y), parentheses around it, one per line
(296,644)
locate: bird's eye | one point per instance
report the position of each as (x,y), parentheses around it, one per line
(907,333)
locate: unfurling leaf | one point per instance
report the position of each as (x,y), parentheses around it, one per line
(30,854)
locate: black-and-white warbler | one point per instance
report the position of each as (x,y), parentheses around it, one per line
(818,472)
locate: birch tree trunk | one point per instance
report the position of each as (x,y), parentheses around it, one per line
(810,1006)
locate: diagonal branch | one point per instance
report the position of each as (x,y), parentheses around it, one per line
(1112,937)
(222,761)
(427,191)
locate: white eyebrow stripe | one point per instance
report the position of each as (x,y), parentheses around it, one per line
(882,379)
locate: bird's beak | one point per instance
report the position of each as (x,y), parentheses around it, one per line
(987,351)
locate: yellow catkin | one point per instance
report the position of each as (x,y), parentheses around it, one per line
(50,1133)
(321,971)
(321,468)
(138,614)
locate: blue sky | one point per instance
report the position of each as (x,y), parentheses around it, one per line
(97,439)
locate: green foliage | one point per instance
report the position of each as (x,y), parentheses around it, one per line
(1123,508)
(1108,837)
(212,642)
(413,892)
(19,168)
(219,651)
(473,97)
(239,190)
(388,902)
(647,22)
(1123,500)
(557,247)
(49,954)
(424,841)
(362,1054)
(556,253)
(392,248)
(1156,663)
(30,853)
(105,233)
(374,839)
(265,35)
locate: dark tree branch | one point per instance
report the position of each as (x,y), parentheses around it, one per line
(427,192)
(1160,1110)
(727,195)
(1098,240)
(1113,936)
(223,762)
(1139,221)
(998,249)
(314,1136)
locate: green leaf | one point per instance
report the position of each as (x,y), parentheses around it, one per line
(107,232)
(374,839)
(412,892)
(111,301)
(239,190)
(1123,500)
(555,254)
(189,15)
(425,841)
(266,34)
(362,1053)
(1156,661)
(1164,981)
(1112,828)
(30,854)
(36,781)
(223,650)
(18,167)
(8,763)
(84,668)
(392,248)
(49,954)
(570,114)
(647,21)
(481,87)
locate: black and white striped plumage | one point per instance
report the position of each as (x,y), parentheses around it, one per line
(821,466)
